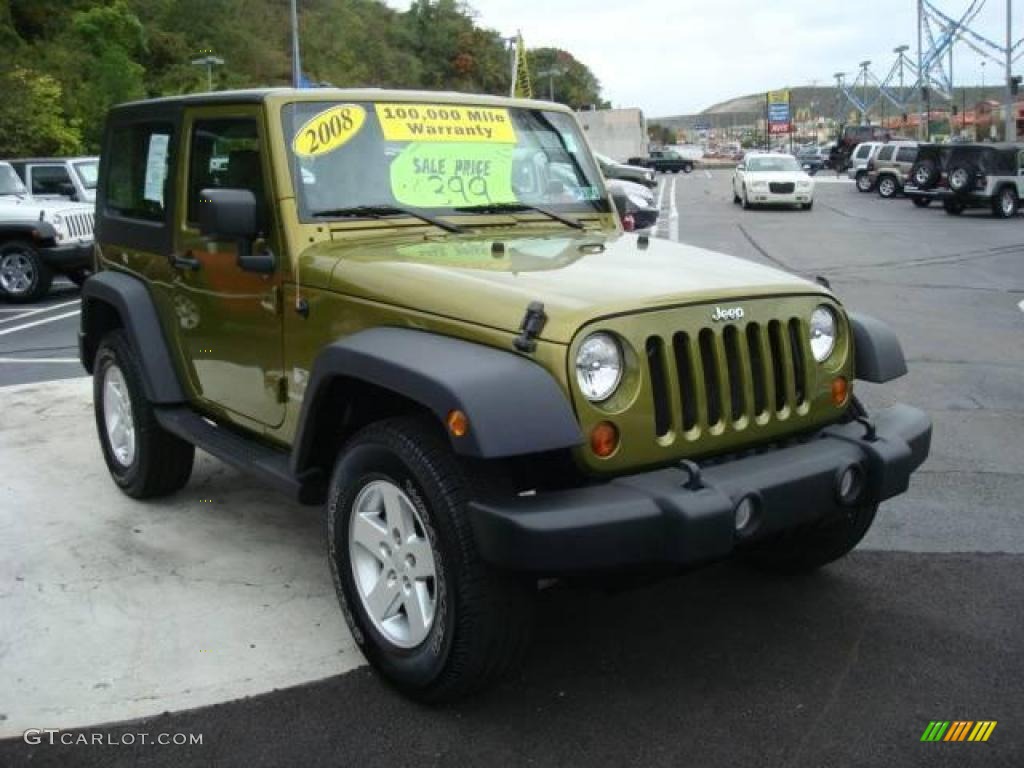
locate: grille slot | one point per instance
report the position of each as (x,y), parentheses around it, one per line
(712,392)
(659,386)
(730,377)
(782,187)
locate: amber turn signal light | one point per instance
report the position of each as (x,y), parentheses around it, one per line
(840,391)
(604,439)
(458,423)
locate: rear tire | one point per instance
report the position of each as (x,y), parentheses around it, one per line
(810,548)
(480,620)
(24,276)
(887,187)
(921,202)
(145,460)
(1005,205)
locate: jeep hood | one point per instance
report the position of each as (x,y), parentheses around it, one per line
(578,276)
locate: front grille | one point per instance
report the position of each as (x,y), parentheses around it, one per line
(728,378)
(80,225)
(782,188)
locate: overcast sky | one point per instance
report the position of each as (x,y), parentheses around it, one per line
(680,57)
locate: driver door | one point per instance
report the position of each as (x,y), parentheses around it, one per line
(229,321)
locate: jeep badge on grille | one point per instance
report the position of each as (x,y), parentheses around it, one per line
(728,313)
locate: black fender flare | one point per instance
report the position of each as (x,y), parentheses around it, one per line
(129,298)
(39,231)
(514,406)
(878,356)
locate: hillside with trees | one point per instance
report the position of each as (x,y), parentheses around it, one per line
(66,62)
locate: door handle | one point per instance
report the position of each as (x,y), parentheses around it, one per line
(188,261)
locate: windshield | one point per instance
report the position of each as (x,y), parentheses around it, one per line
(87,171)
(10,184)
(437,158)
(759,164)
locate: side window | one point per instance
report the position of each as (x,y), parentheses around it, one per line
(51,180)
(906,155)
(1020,162)
(886,153)
(863,152)
(136,185)
(223,153)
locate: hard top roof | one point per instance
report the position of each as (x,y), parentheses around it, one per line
(284,95)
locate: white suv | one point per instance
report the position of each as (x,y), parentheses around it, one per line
(39,238)
(860,157)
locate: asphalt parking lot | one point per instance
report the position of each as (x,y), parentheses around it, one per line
(716,668)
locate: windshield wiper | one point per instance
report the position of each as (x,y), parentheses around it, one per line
(380,211)
(520,208)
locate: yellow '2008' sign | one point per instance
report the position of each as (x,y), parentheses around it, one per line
(329,130)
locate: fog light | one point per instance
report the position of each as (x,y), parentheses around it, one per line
(745,513)
(604,439)
(850,484)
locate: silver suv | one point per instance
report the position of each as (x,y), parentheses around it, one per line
(966,176)
(859,159)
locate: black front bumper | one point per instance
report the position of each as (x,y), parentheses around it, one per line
(663,517)
(65,258)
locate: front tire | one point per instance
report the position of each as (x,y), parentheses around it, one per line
(1006,204)
(922,202)
(864,184)
(24,276)
(745,200)
(953,208)
(810,548)
(442,624)
(145,460)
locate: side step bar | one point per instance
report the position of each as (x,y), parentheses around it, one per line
(270,465)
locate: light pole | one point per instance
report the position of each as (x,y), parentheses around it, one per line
(864,92)
(901,51)
(550,75)
(1011,118)
(296,57)
(209,61)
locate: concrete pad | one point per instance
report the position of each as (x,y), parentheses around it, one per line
(112,609)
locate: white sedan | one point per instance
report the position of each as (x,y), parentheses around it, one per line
(772,179)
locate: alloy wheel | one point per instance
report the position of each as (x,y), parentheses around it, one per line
(393,564)
(17,273)
(117,416)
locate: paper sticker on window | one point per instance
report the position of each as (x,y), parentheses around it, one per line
(329,130)
(156,168)
(445,123)
(451,175)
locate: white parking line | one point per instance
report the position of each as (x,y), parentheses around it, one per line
(39,360)
(1021,305)
(29,312)
(707,173)
(33,324)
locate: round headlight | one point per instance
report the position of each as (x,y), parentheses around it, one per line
(823,333)
(599,367)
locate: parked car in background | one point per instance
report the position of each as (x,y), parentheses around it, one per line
(812,159)
(772,179)
(664,161)
(40,238)
(634,173)
(638,208)
(889,170)
(858,164)
(964,176)
(73,178)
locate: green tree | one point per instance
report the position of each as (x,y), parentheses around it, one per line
(571,81)
(32,120)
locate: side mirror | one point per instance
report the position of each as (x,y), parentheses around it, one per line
(232,214)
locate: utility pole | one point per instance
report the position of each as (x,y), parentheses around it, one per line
(922,76)
(296,60)
(1011,116)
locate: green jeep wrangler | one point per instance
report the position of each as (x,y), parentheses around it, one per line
(420,310)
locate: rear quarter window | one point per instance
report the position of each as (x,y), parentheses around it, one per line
(906,155)
(137,177)
(886,153)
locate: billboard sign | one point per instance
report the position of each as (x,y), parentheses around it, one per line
(780,119)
